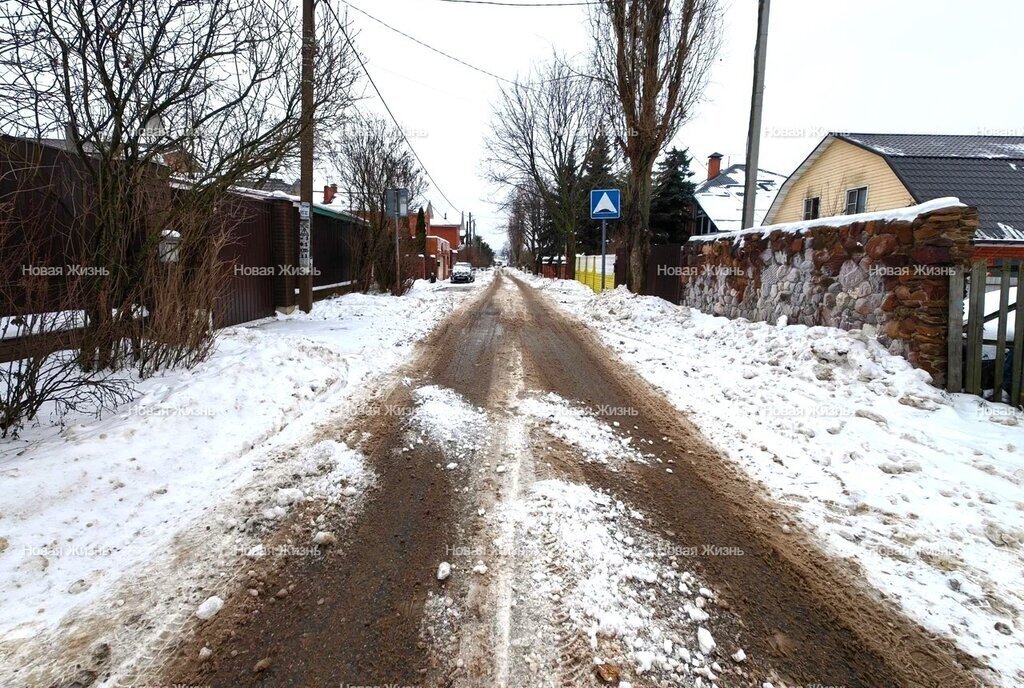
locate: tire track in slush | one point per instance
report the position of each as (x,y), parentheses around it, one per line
(354,616)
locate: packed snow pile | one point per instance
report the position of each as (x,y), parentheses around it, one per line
(443,417)
(581,428)
(619,586)
(618,305)
(924,489)
(335,472)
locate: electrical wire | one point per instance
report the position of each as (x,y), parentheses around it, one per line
(513,82)
(387,107)
(430,47)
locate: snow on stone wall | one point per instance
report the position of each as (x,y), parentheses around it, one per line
(886,273)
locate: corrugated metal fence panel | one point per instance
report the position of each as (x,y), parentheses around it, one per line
(249,289)
(332,242)
(332,250)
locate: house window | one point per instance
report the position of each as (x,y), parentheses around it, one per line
(812,208)
(856,200)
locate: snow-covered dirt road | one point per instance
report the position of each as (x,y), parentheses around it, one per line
(539,516)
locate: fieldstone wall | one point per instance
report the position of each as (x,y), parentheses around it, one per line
(887,274)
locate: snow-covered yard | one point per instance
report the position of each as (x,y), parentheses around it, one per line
(923,489)
(86,508)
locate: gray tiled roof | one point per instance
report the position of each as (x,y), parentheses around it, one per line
(941,145)
(995,187)
(982,171)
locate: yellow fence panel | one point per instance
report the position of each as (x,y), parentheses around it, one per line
(588,272)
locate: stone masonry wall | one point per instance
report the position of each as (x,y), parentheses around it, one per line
(887,273)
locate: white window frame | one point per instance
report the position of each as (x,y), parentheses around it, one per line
(857,190)
(813,215)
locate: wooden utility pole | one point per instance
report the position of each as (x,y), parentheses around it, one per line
(306,160)
(756,106)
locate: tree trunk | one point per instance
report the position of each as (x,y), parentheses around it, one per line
(638,223)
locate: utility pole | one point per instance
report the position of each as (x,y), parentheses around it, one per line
(756,106)
(306,160)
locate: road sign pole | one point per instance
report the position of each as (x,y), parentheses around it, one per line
(604,248)
(398,258)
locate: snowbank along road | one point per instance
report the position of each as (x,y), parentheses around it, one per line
(539,516)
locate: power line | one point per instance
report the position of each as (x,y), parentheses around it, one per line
(513,82)
(394,119)
(430,47)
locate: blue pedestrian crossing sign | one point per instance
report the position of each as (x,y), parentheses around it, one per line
(605,204)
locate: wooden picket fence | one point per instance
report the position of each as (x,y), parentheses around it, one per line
(988,366)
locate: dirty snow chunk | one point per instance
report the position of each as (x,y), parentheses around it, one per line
(696,615)
(444,570)
(452,466)
(287,496)
(500,469)
(480,568)
(739,656)
(209,608)
(644,661)
(205,653)
(706,642)
(583,429)
(325,538)
(449,421)
(342,471)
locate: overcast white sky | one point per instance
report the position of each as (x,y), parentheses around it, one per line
(905,66)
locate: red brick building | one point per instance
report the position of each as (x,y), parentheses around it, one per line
(444,239)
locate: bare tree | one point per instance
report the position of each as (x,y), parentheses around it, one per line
(542,133)
(371,156)
(654,58)
(156,110)
(167,106)
(531,233)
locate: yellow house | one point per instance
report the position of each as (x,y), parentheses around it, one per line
(858,173)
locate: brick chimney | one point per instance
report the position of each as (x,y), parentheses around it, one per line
(329,193)
(714,165)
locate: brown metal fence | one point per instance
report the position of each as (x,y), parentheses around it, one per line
(663,272)
(248,292)
(986,353)
(332,246)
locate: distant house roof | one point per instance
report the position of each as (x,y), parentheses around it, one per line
(982,171)
(721,198)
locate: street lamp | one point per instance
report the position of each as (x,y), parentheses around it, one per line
(396,202)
